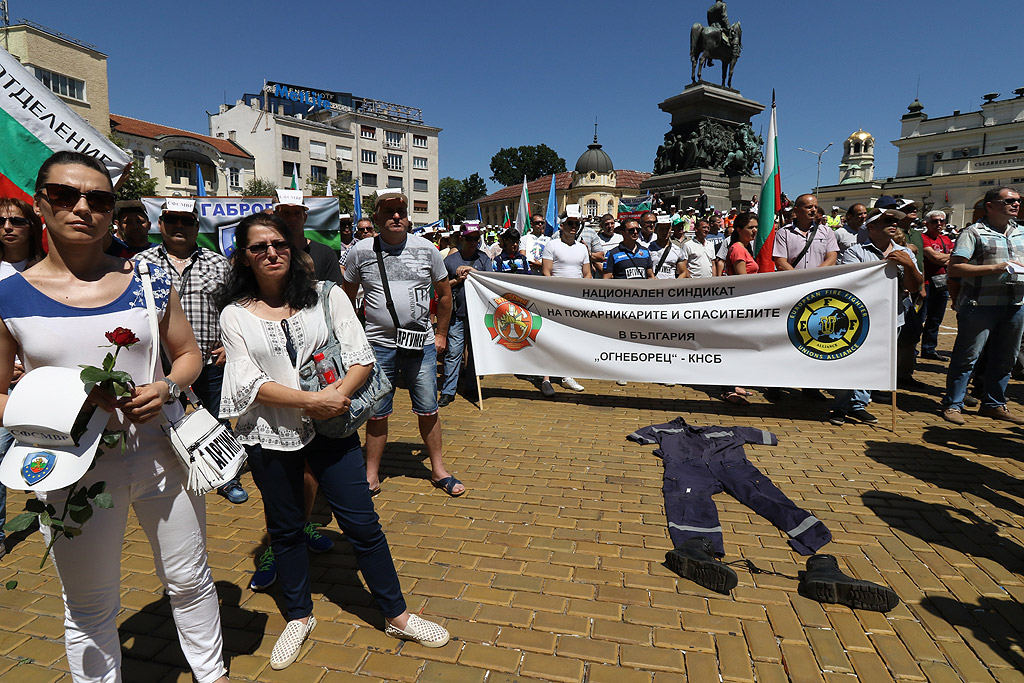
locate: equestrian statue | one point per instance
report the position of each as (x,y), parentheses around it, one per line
(718,40)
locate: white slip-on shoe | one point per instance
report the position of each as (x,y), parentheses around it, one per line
(570,383)
(426,633)
(287,648)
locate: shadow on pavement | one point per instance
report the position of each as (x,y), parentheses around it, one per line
(995,443)
(992,622)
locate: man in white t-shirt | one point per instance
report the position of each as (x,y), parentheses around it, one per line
(671,263)
(565,257)
(532,244)
(700,252)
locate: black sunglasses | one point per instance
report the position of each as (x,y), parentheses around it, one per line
(1013,200)
(633,231)
(289,345)
(278,245)
(66,197)
(15,221)
(187,221)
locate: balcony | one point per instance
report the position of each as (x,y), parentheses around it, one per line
(391,144)
(391,166)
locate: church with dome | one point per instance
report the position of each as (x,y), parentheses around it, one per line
(594,184)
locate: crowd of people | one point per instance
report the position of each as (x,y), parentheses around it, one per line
(237,331)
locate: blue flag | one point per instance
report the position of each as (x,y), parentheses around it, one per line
(479,216)
(551,215)
(200,183)
(357,203)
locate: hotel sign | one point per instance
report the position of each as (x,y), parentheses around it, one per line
(316,98)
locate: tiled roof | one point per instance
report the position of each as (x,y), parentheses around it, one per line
(623,179)
(145,129)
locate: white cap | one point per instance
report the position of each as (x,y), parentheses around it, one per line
(345,215)
(389,193)
(41,415)
(573,211)
(289,198)
(179,205)
(664,219)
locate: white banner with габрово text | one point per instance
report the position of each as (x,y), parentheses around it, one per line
(829,328)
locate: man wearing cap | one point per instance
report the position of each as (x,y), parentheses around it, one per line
(834,220)
(881,227)
(628,260)
(510,260)
(853,231)
(990,306)
(196,274)
(401,336)
(700,252)
(565,257)
(459,265)
(667,256)
(133,226)
(293,212)
(345,237)
(937,248)
(805,243)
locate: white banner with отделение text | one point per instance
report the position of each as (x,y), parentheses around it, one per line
(830,328)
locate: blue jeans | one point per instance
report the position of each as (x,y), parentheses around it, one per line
(458,339)
(6,441)
(998,327)
(906,341)
(338,466)
(935,309)
(207,387)
(418,373)
(849,400)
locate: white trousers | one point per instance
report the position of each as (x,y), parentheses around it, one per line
(149,479)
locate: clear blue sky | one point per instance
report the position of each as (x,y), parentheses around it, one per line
(504,74)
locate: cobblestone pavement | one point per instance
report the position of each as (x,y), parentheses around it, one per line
(550,568)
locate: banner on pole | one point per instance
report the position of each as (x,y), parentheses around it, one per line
(218,217)
(633,207)
(829,328)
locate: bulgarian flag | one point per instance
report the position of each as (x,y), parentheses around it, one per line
(770,202)
(35,123)
(508,221)
(295,178)
(523,215)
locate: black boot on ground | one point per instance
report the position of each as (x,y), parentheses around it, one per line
(825,583)
(695,560)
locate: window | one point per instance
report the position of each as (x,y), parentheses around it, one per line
(419,140)
(181,171)
(924,164)
(368,132)
(393,139)
(343,153)
(419,185)
(369,180)
(319,173)
(420,163)
(318,150)
(62,85)
(344,176)
(395,162)
(592,207)
(139,158)
(234,177)
(289,167)
(420,206)
(395,182)
(290,142)
(965,152)
(369,156)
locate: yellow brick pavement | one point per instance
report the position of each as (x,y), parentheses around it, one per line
(550,568)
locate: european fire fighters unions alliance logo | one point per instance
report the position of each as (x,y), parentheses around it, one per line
(828,324)
(511,324)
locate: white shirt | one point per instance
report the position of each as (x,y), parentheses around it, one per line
(566,260)
(668,268)
(699,257)
(257,353)
(533,246)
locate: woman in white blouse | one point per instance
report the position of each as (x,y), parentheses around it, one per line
(271,323)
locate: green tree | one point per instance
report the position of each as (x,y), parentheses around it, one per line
(510,164)
(454,195)
(137,183)
(259,187)
(368,202)
(475,187)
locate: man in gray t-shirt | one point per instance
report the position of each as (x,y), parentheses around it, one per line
(412,265)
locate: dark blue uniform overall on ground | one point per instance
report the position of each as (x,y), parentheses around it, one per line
(702,461)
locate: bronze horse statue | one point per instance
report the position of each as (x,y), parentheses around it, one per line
(707,45)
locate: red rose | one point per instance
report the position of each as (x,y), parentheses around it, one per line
(122,337)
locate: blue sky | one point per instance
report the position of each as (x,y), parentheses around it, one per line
(494,75)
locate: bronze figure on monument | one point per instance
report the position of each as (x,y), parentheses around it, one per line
(718,40)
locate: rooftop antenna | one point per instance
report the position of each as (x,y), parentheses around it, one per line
(595,130)
(5,18)
(917,93)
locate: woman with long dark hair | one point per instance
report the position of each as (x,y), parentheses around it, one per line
(739,260)
(57,313)
(271,323)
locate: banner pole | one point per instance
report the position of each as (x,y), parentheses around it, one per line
(479,393)
(893,411)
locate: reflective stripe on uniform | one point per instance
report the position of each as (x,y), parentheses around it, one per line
(803,526)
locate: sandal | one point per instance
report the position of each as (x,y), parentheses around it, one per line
(733,397)
(448,484)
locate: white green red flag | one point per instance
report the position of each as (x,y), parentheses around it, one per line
(523,215)
(35,123)
(508,221)
(770,201)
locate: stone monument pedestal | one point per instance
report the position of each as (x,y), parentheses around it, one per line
(707,105)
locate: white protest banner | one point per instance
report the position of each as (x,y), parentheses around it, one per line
(830,328)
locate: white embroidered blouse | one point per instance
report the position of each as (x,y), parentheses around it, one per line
(257,352)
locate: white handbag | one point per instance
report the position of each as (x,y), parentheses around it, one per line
(207,449)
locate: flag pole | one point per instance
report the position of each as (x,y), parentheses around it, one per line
(893,411)
(479,393)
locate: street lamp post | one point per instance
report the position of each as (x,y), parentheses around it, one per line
(817,179)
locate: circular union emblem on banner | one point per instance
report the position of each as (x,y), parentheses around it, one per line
(511,324)
(828,324)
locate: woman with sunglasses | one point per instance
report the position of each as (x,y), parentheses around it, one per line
(740,261)
(57,313)
(271,323)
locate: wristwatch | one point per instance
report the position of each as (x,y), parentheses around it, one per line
(175,390)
